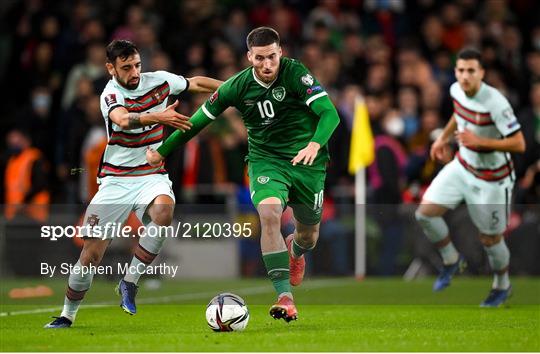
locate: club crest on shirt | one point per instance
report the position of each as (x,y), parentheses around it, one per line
(110,99)
(307,80)
(279,93)
(158,97)
(92,220)
(263,179)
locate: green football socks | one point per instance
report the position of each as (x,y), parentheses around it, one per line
(277,266)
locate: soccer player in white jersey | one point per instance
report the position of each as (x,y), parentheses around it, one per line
(481,174)
(133,105)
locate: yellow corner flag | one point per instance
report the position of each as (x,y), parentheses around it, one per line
(362,150)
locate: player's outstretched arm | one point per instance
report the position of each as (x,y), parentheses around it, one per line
(328,121)
(199,120)
(203,84)
(130,120)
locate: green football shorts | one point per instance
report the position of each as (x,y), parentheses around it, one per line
(301,187)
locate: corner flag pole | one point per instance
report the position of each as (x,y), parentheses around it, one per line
(360,223)
(361,155)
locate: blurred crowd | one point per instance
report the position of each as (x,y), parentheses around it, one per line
(397,54)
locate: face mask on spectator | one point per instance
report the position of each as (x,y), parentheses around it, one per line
(394,126)
(435,134)
(41,102)
(14,150)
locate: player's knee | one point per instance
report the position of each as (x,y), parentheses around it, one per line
(91,257)
(307,238)
(490,240)
(162,214)
(421,217)
(270,215)
(434,226)
(307,241)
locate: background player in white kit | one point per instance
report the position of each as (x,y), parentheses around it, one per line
(481,174)
(133,105)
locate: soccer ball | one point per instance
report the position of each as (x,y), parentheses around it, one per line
(227,312)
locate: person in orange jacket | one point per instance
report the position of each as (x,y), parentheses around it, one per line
(25,180)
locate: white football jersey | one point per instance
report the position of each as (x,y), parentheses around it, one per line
(125,154)
(488,114)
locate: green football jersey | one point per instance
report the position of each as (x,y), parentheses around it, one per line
(277,115)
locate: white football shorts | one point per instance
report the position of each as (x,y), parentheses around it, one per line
(488,202)
(118,196)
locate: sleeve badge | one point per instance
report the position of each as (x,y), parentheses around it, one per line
(307,80)
(110,99)
(213,98)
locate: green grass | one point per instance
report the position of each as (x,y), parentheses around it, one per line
(335,315)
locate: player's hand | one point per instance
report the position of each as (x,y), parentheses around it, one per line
(153,157)
(440,151)
(468,139)
(307,155)
(174,119)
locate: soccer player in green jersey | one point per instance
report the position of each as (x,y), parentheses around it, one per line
(289,119)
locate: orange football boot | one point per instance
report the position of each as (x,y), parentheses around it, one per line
(284,308)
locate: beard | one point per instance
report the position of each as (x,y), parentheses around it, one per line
(265,78)
(128,85)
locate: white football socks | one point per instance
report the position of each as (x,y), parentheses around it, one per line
(499,259)
(449,254)
(147,250)
(436,230)
(78,285)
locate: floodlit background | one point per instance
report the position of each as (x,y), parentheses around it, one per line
(398,55)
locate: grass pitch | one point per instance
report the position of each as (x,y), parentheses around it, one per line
(334,315)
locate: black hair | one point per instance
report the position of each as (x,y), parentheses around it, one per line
(120,48)
(471,54)
(262,36)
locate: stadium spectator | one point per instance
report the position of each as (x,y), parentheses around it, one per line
(26,190)
(146,39)
(134,19)
(236,29)
(533,66)
(421,169)
(37,119)
(529,118)
(387,180)
(92,68)
(407,101)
